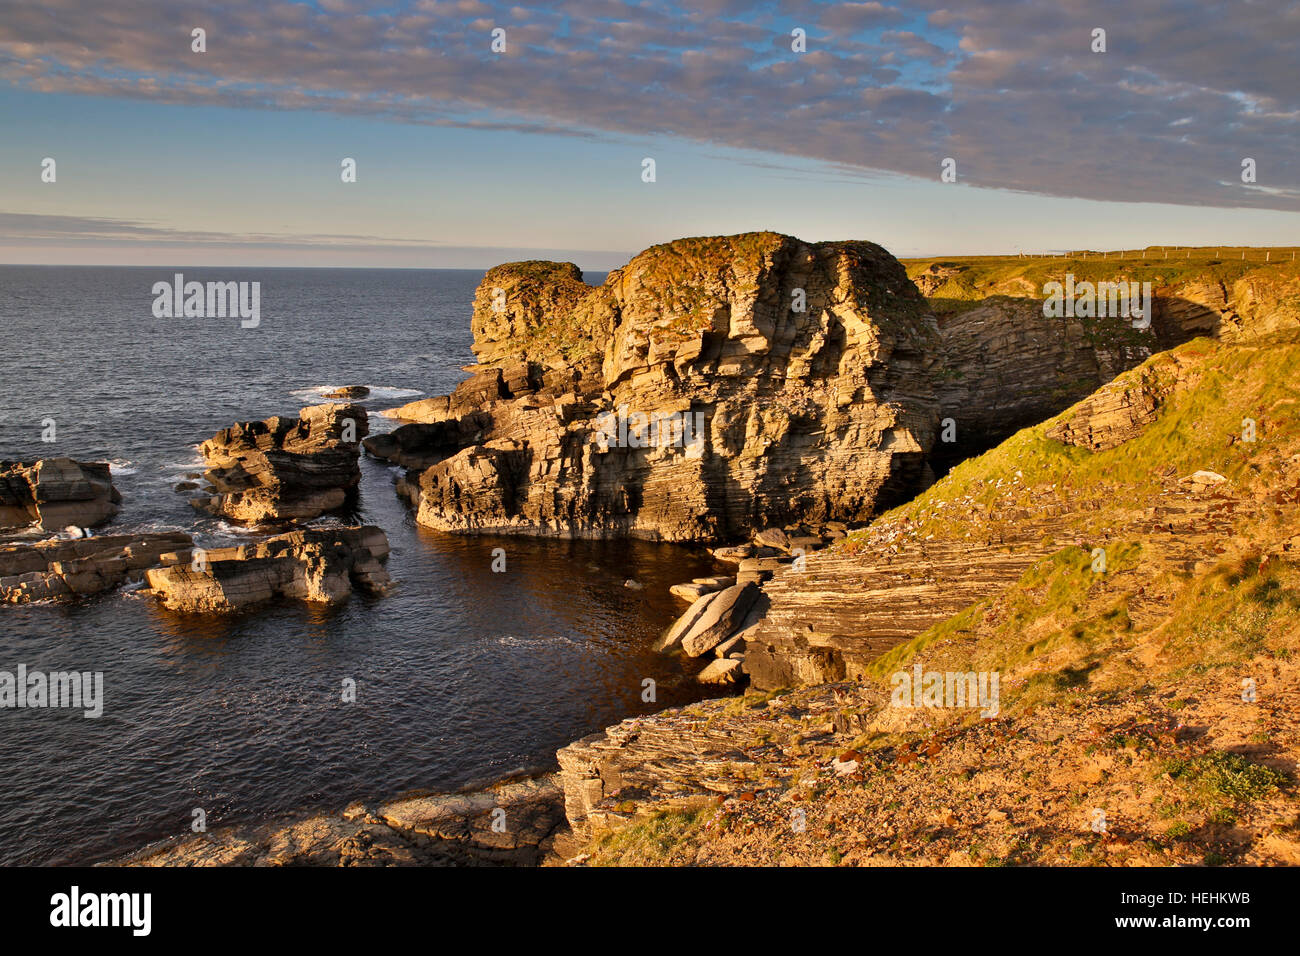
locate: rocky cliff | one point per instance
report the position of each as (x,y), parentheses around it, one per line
(715,386)
(906,573)
(1128,569)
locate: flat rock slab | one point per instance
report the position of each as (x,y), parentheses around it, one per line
(61,569)
(440,829)
(719,620)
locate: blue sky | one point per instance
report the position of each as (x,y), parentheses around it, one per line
(467,158)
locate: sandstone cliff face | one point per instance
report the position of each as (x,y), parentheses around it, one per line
(523,311)
(320,565)
(718,385)
(54,493)
(285,469)
(1120,410)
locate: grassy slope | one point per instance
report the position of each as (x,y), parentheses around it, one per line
(1103,675)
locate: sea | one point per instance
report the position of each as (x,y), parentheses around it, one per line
(463,675)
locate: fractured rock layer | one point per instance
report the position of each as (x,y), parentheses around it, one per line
(50,570)
(716,385)
(55,493)
(285,469)
(320,565)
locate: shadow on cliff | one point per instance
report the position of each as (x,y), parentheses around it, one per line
(1042,383)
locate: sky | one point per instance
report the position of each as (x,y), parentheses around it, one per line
(821,120)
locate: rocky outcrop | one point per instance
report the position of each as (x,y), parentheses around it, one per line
(1007,367)
(717,385)
(285,469)
(348,392)
(1120,410)
(832,620)
(57,569)
(525,311)
(935,275)
(55,493)
(320,565)
(687,758)
(738,377)
(512,823)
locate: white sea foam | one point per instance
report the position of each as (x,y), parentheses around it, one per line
(514,640)
(386,392)
(236,530)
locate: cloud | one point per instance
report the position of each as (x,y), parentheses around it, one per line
(34,238)
(1010,90)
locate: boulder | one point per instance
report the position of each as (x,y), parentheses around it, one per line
(699,587)
(319,565)
(53,493)
(773,538)
(285,469)
(348,391)
(671,639)
(722,672)
(719,620)
(690,591)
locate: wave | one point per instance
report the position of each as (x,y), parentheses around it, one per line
(385,392)
(514,640)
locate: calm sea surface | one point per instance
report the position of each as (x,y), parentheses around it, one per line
(462,675)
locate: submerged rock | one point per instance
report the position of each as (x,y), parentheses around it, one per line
(53,493)
(320,565)
(285,469)
(348,391)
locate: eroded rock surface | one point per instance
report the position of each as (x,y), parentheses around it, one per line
(57,569)
(1120,410)
(513,823)
(285,469)
(54,493)
(321,565)
(713,386)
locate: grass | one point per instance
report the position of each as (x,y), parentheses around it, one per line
(1192,433)
(1220,779)
(651,839)
(1051,612)
(981,277)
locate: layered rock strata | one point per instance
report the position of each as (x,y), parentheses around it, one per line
(713,386)
(55,493)
(512,823)
(285,469)
(320,565)
(58,569)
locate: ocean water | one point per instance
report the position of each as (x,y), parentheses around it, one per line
(463,675)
